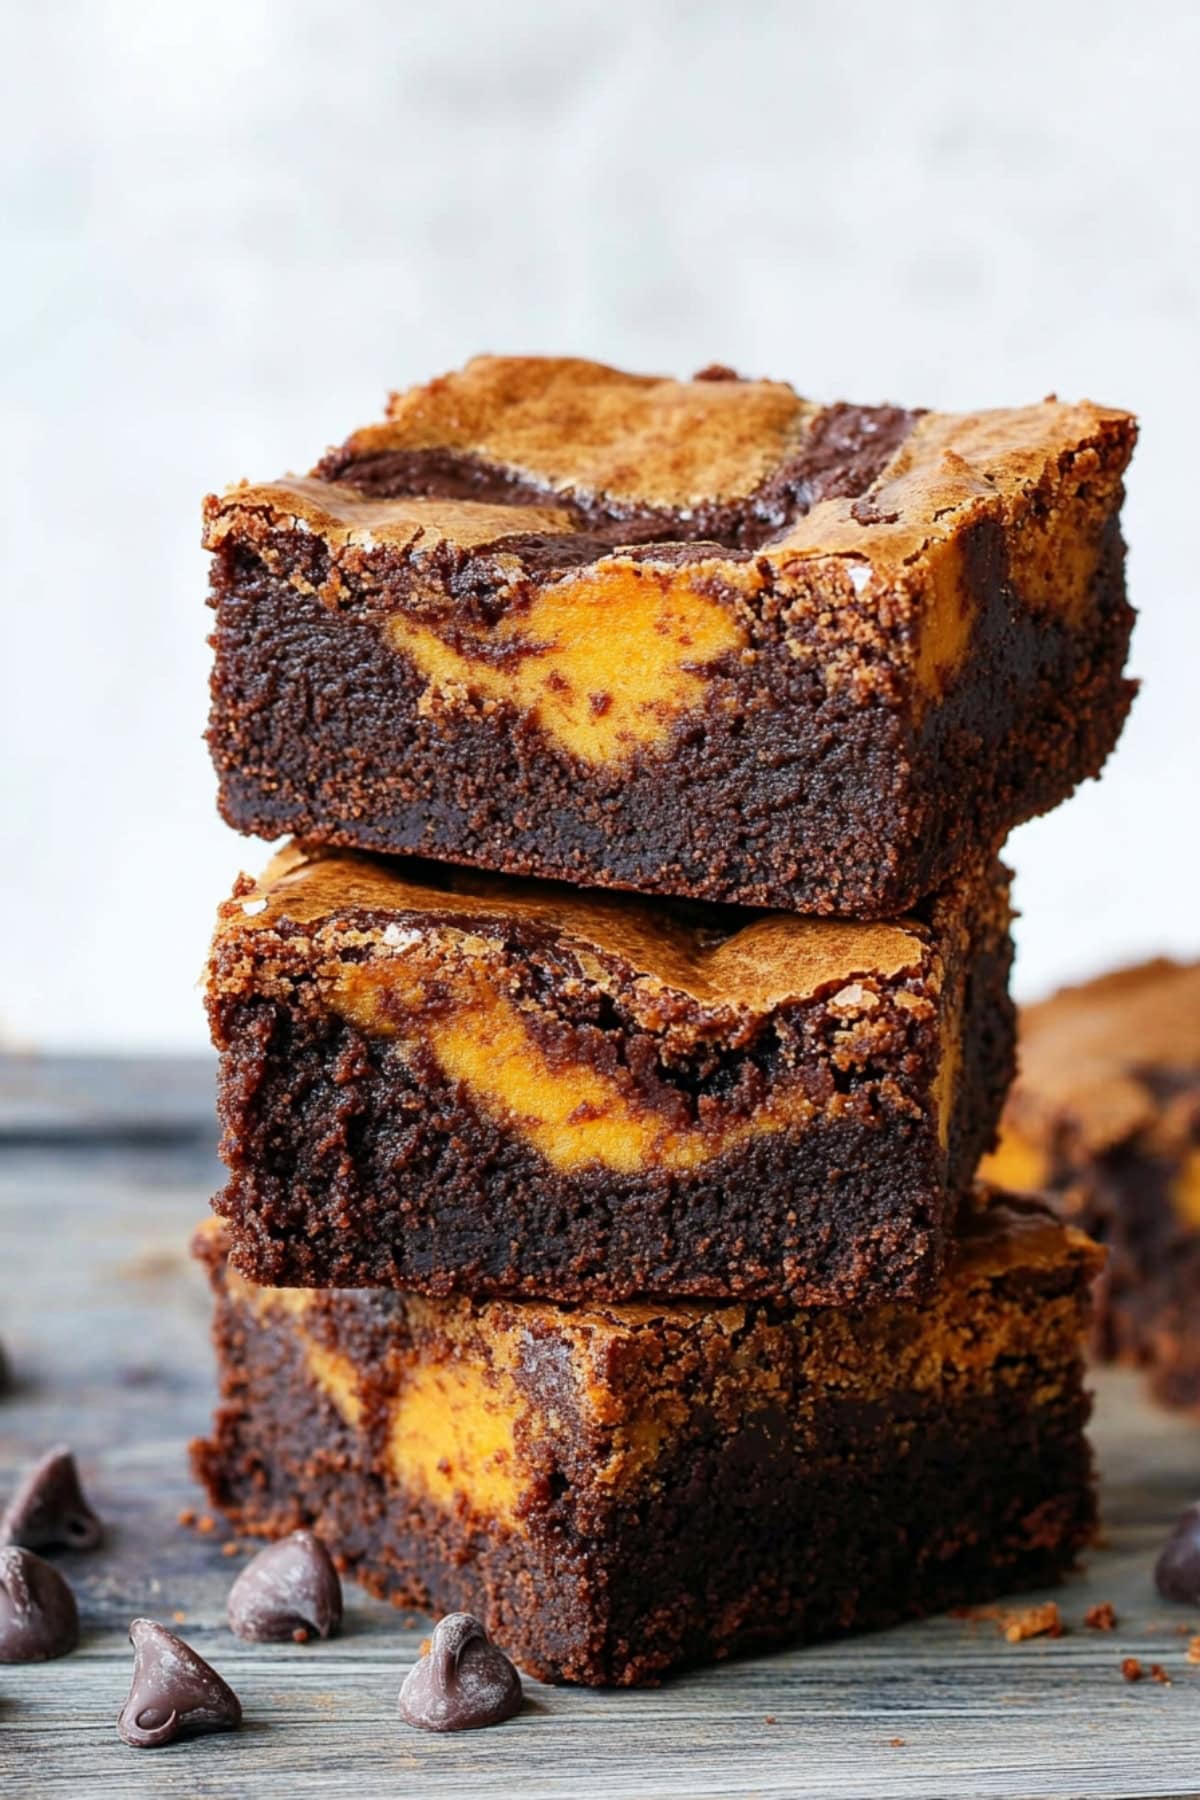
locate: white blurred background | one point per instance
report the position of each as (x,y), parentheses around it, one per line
(230,228)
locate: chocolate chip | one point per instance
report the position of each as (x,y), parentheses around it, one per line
(463,1683)
(174,1693)
(48,1510)
(1177,1571)
(38,1615)
(290,1590)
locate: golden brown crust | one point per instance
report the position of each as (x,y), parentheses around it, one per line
(572,424)
(346,518)
(773,958)
(583,430)
(957,468)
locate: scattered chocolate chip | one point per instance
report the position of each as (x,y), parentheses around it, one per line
(463,1682)
(1177,1571)
(38,1616)
(174,1693)
(290,1590)
(48,1510)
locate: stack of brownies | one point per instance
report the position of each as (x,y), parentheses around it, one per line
(606,1064)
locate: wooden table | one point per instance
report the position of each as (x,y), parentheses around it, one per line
(104,1169)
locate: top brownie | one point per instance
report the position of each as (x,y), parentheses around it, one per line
(702,638)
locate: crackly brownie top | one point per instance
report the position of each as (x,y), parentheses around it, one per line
(559,461)
(717,956)
(1110,1058)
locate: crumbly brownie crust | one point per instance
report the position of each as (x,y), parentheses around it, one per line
(695,638)
(1106,1118)
(679,1484)
(439,1082)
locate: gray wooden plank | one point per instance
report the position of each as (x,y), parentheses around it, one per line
(106,1322)
(54,1099)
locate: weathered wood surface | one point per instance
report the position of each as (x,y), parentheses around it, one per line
(103,1172)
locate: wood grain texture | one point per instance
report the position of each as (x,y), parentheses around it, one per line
(106,1324)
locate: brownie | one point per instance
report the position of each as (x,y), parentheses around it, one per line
(616,1490)
(438,1080)
(1106,1116)
(699,638)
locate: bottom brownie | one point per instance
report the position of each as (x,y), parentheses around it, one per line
(619,1490)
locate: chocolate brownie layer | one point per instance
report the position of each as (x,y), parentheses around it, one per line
(695,638)
(619,1490)
(437,1081)
(1106,1117)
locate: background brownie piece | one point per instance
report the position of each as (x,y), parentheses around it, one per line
(438,1081)
(615,1490)
(1106,1116)
(700,638)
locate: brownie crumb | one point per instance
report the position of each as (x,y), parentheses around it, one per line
(230,1549)
(1159,1674)
(897,1743)
(206,1524)
(770,1719)
(1131,1669)
(1193,1650)
(1034,1621)
(1100,1617)
(186,1516)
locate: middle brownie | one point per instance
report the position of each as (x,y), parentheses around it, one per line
(436,1080)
